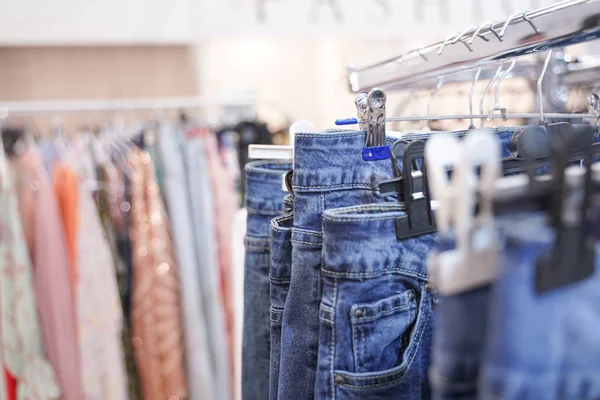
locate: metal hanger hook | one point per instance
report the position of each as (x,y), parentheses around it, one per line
(539,85)
(497,106)
(486,91)
(448,40)
(459,38)
(475,79)
(508,21)
(435,91)
(526,18)
(478,33)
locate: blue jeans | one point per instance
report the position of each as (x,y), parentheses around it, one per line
(264,201)
(329,172)
(376,317)
(540,346)
(280,277)
(459,340)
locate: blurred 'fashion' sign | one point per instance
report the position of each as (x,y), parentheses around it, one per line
(365,18)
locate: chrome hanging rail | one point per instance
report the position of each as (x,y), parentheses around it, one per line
(555,26)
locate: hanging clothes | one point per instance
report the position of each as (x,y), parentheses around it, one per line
(45,238)
(156,312)
(224,203)
(205,245)
(111,190)
(177,193)
(66,187)
(100,316)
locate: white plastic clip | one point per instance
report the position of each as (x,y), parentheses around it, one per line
(472,263)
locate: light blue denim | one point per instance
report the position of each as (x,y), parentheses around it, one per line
(540,346)
(205,244)
(264,201)
(200,376)
(329,172)
(376,317)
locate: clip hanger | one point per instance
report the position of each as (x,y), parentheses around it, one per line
(376,147)
(419,219)
(573,254)
(472,262)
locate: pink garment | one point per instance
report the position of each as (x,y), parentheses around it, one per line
(46,240)
(225,200)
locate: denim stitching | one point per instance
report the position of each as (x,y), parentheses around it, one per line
(309,243)
(374,317)
(279,279)
(416,347)
(376,274)
(263,211)
(307,232)
(256,248)
(329,135)
(332,346)
(369,207)
(340,185)
(326,320)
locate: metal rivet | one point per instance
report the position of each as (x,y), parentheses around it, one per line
(358,313)
(339,379)
(411,295)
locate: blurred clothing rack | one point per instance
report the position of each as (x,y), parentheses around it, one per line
(15,108)
(559,25)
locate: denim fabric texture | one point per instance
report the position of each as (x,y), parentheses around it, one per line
(376,317)
(329,172)
(264,201)
(458,345)
(540,346)
(280,277)
(458,340)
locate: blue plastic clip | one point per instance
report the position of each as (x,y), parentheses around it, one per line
(346,121)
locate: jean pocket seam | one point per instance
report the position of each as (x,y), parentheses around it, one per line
(400,370)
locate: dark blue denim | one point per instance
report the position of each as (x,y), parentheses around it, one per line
(458,340)
(458,345)
(329,172)
(540,346)
(280,277)
(264,201)
(376,317)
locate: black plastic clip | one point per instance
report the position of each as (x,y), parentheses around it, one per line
(573,256)
(410,184)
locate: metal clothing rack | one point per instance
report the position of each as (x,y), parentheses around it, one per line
(73,106)
(559,25)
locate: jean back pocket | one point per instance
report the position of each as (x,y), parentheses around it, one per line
(381,330)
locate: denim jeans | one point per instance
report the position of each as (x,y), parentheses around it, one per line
(458,345)
(458,340)
(329,172)
(376,317)
(264,201)
(280,277)
(540,346)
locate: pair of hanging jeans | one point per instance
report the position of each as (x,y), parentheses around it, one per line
(264,201)
(376,316)
(329,172)
(540,346)
(280,277)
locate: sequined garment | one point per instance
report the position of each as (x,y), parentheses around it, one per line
(156,312)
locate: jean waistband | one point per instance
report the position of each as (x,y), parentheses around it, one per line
(333,160)
(264,193)
(281,246)
(360,242)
